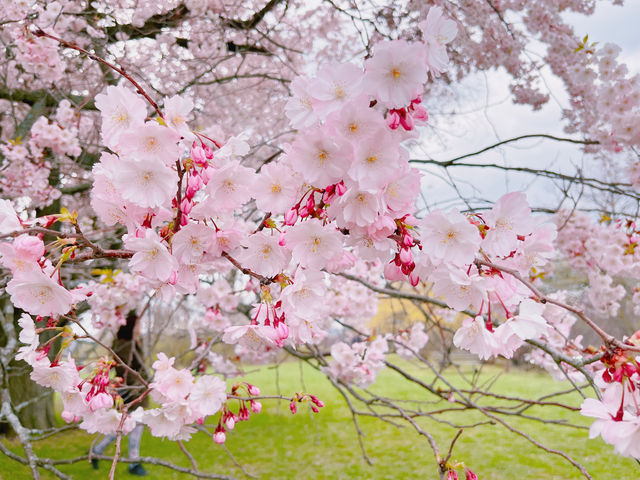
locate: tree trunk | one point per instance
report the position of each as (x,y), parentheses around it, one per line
(38,411)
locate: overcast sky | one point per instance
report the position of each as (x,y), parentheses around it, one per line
(490,117)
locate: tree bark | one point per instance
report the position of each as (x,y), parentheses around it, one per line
(37,402)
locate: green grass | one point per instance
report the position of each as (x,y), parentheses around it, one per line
(277,445)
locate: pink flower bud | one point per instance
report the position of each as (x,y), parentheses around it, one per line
(393,273)
(327,197)
(206,174)
(197,154)
(407,240)
(253,390)
(340,189)
(219,437)
(290,217)
(407,122)
(208,152)
(414,279)
(243,414)
(406,257)
(314,409)
(393,119)
(311,202)
(186,205)
(193,187)
(420,114)
(452,475)
(67,416)
(471,475)
(283,330)
(293,407)
(229,423)
(256,406)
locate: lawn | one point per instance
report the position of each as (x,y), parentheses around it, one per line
(278,445)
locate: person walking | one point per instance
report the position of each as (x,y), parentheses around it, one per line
(128,347)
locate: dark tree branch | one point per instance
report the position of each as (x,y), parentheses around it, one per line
(511,140)
(254,20)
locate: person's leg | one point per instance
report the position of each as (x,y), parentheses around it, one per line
(134,441)
(100,447)
(135,436)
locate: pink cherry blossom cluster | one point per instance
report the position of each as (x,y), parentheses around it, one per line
(26,166)
(26,175)
(409,342)
(88,400)
(182,400)
(38,56)
(358,363)
(455,252)
(606,253)
(114,295)
(617,412)
(179,193)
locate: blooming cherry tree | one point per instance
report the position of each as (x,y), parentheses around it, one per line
(278,235)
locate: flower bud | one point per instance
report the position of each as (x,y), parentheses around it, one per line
(67,416)
(186,206)
(197,154)
(393,272)
(256,406)
(229,423)
(293,407)
(406,257)
(219,437)
(393,119)
(407,240)
(420,114)
(290,217)
(407,122)
(311,202)
(253,390)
